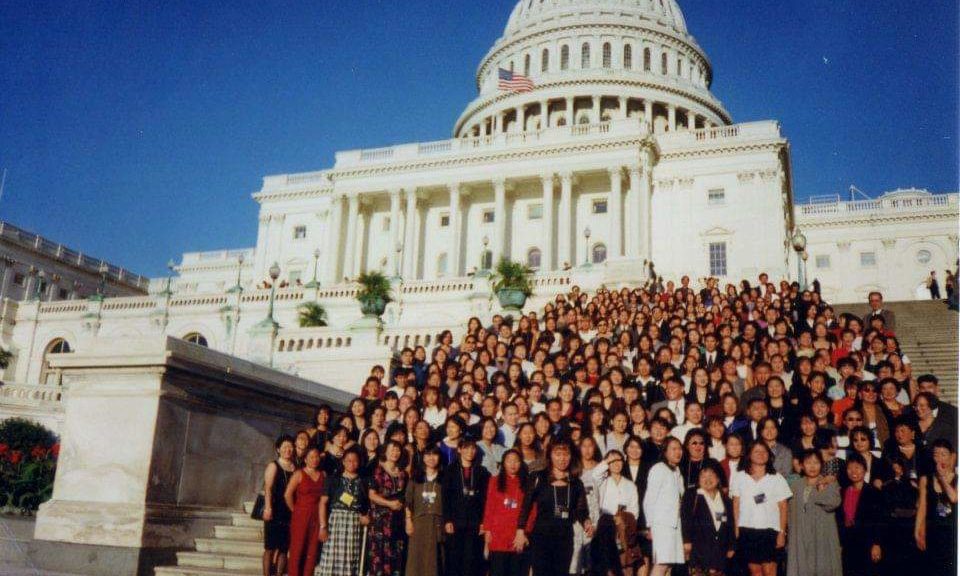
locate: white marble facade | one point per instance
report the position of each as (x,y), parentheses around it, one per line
(621,135)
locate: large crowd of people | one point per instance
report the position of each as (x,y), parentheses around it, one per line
(709,430)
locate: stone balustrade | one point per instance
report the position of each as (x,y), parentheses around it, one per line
(37,395)
(880,206)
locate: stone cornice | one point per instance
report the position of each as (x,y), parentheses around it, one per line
(298,194)
(688,153)
(811,222)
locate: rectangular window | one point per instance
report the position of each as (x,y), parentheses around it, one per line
(444,220)
(823,261)
(718,258)
(488,216)
(599,206)
(19,279)
(868,259)
(64,294)
(299,232)
(534,211)
(716,197)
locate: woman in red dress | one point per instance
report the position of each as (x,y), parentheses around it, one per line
(303,498)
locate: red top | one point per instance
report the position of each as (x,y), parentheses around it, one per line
(502,512)
(851,497)
(306,497)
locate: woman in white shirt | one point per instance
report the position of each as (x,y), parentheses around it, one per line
(760,510)
(661,506)
(616,493)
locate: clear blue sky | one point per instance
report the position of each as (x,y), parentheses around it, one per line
(135,131)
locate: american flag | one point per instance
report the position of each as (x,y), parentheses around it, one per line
(514,82)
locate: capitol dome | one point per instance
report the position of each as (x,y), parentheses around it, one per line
(589,61)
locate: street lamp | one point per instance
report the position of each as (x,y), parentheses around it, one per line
(483,269)
(101,286)
(799,242)
(274,274)
(41,279)
(238,287)
(316,258)
(172,267)
(586,236)
(398,254)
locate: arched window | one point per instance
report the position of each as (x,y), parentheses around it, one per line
(627,57)
(544,60)
(679,66)
(564,57)
(607,55)
(599,253)
(196,338)
(442,265)
(533,258)
(585,55)
(663,64)
(646,59)
(56,346)
(511,65)
(526,65)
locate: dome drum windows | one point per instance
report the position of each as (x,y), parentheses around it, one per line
(607,55)
(545,60)
(646,59)
(627,57)
(564,57)
(585,56)
(526,65)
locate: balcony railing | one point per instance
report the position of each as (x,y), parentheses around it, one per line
(879,206)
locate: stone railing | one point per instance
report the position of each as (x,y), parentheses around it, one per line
(60,252)
(121,304)
(879,206)
(64,307)
(764,130)
(306,339)
(30,394)
(554,135)
(438,286)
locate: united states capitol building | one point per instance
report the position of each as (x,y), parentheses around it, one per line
(619,156)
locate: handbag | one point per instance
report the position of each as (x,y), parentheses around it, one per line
(258,506)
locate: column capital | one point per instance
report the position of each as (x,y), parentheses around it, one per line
(503,184)
(395,192)
(634,169)
(566,176)
(615,171)
(547,176)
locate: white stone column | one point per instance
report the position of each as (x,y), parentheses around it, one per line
(648,112)
(453,257)
(691,120)
(394,231)
(616,213)
(7,277)
(569,111)
(565,219)
(350,260)
(334,239)
(634,224)
(520,120)
(672,117)
(623,106)
(410,232)
(546,253)
(497,122)
(545,114)
(596,109)
(499,220)
(644,227)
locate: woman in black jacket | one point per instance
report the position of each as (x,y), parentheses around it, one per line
(706,519)
(560,500)
(464,492)
(860,521)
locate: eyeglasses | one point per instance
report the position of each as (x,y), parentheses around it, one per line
(696,443)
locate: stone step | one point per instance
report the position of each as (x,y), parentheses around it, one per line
(247,533)
(230,547)
(201,571)
(226,561)
(241,519)
(248,507)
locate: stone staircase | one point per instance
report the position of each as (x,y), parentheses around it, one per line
(234,549)
(928,335)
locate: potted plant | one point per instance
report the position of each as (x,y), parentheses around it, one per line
(374,294)
(511,284)
(311,315)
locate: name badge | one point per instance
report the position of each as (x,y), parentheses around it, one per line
(429,497)
(943,510)
(562,512)
(347,499)
(589,490)
(760,498)
(509,503)
(469,493)
(720,516)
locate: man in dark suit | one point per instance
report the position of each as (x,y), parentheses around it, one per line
(712,355)
(876,309)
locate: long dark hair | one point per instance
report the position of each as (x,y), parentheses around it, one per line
(522,474)
(420,470)
(744,464)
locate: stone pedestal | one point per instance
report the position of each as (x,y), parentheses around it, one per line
(160,439)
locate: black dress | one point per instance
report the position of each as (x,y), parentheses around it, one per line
(941,531)
(276,531)
(866,530)
(558,507)
(900,554)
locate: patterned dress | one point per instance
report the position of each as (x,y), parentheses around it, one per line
(387,539)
